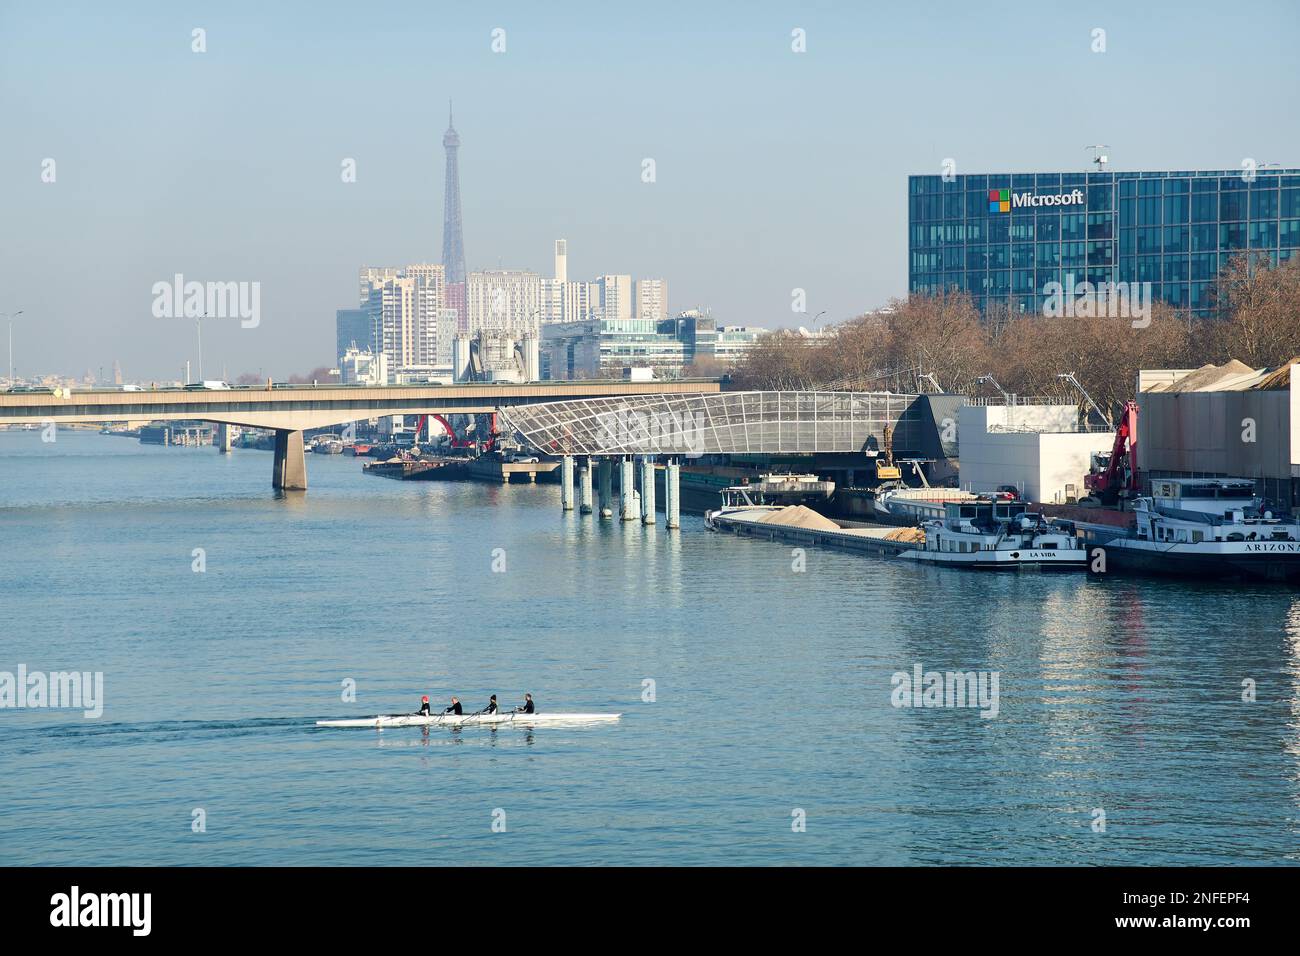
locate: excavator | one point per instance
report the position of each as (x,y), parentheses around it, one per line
(886,469)
(1115,476)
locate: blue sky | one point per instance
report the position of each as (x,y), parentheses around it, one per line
(775,170)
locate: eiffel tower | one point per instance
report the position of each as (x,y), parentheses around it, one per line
(453,243)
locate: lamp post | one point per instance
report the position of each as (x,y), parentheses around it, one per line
(198,324)
(11,316)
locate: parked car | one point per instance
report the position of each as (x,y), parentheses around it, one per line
(524,459)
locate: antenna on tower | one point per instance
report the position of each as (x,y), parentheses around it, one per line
(1099,158)
(450,124)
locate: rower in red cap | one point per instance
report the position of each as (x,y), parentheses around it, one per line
(424,706)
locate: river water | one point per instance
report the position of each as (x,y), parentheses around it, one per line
(767,735)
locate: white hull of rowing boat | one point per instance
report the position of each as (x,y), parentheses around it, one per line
(471,720)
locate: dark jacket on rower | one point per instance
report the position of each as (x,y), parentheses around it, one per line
(453,709)
(424,707)
(491,708)
(526,707)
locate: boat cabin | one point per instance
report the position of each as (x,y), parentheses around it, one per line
(1195,510)
(994,523)
(984,513)
(1216,496)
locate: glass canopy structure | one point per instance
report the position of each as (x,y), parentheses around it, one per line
(723,423)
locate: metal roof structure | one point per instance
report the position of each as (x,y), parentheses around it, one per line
(723,423)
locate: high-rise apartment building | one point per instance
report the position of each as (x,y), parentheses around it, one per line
(505,300)
(651,299)
(615,297)
(409,321)
(370,276)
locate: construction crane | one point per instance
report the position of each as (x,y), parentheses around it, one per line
(422,423)
(1069,377)
(1116,476)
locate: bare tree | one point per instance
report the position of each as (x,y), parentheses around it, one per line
(944,335)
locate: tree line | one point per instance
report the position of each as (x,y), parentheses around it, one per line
(917,341)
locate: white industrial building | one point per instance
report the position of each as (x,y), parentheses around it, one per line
(1038,447)
(363,367)
(492,356)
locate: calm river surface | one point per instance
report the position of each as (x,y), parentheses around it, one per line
(772,687)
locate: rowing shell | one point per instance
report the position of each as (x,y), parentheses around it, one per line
(465,720)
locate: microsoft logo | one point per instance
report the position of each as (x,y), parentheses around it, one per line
(1003,200)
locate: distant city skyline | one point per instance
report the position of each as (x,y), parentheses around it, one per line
(699,146)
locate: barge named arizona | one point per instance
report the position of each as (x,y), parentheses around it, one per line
(1200,527)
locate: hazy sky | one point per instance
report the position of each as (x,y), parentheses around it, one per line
(775,170)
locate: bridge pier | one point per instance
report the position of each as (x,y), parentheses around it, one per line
(584,487)
(289,469)
(672,494)
(222,438)
(606,470)
(627,489)
(647,491)
(566,483)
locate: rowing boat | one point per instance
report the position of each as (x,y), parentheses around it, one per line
(469,720)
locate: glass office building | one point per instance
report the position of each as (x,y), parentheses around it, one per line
(1004,237)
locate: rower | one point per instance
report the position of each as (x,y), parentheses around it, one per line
(454,708)
(527,706)
(491,708)
(424,706)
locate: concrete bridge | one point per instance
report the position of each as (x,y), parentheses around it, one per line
(288,409)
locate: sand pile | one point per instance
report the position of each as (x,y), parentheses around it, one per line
(798,516)
(916,535)
(1207,377)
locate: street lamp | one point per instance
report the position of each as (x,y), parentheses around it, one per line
(11,316)
(198,324)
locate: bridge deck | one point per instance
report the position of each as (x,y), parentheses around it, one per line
(296,407)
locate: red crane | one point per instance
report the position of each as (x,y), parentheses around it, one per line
(1121,476)
(422,422)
